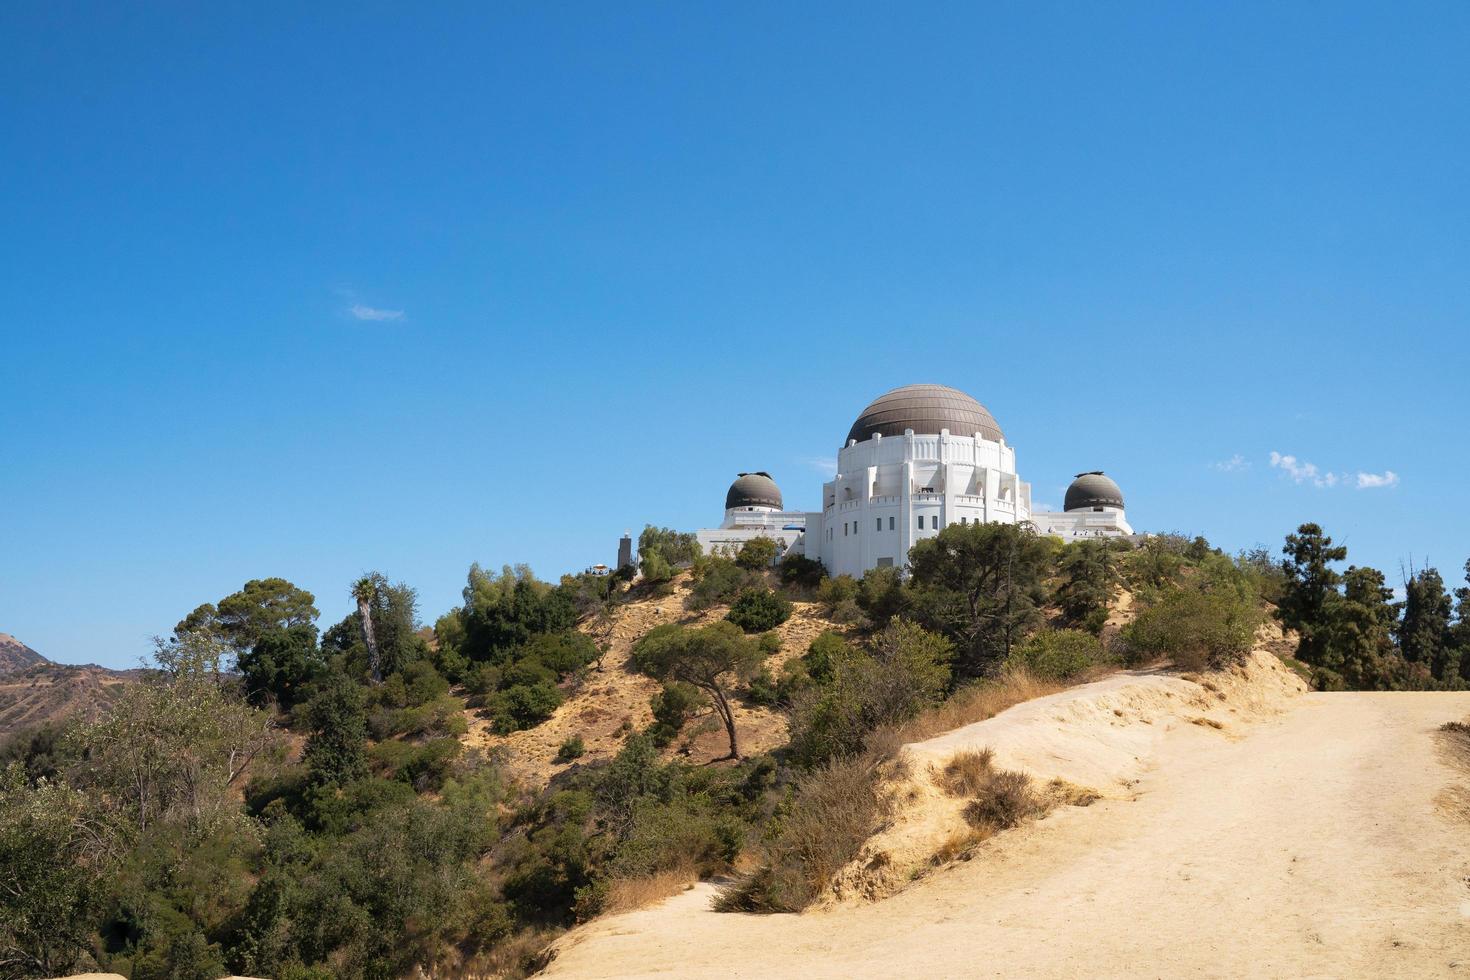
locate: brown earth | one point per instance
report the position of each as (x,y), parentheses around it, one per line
(1244,829)
(56,693)
(613,701)
(15,656)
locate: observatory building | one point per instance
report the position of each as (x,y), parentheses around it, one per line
(916,460)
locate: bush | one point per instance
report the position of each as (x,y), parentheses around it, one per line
(523,706)
(757,554)
(847,613)
(572,748)
(801,571)
(1198,629)
(967,773)
(769,643)
(759,610)
(833,591)
(827,651)
(674,705)
(1003,802)
(1057,654)
(562,653)
(832,810)
(716,579)
(881,595)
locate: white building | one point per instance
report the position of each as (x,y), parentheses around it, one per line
(917,459)
(753,509)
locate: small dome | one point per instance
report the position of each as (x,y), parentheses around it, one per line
(753,490)
(926,409)
(1091,490)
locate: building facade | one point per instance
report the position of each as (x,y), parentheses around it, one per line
(916,460)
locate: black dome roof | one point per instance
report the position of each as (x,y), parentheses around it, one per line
(926,409)
(1093,490)
(753,490)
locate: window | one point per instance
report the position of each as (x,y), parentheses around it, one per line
(844,529)
(964,520)
(885,562)
(934,521)
(880,525)
(890,524)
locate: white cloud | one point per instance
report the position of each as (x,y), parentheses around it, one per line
(1371,481)
(1231,465)
(826,465)
(362,312)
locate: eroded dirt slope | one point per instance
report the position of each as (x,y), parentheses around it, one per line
(1308,837)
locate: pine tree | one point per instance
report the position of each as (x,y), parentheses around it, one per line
(1424,631)
(1311,582)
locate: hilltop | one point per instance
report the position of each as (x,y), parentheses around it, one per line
(15,656)
(35,691)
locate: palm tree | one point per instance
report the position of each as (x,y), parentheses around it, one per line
(365,591)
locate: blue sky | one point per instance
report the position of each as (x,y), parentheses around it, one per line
(309,292)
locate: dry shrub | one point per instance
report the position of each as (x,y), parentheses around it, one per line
(833,810)
(522,954)
(1005,800)
(1455,738)
(978,702)
(957,845)
(624,894)
(967,773)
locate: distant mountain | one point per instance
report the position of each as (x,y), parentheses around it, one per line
(35,691)
(15,656)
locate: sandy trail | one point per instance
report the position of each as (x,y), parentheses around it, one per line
(1314,846)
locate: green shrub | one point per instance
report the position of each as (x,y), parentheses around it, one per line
(801,572)
(880,596)
(758,610)
(717,579)
(769,643)
(562,653)
(763,689)
(757,554)
(833,591)
(523,706)
(1058,654)
(672,706)
(1198,629)
(572,748)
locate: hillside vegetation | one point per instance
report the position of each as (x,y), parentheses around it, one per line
(382,796)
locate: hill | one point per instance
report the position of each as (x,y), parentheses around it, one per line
(615,699)
(34,691)
(15,656)
(1242,827)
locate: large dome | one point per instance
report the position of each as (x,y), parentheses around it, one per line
(753,490)
(1091,490)
(926,409)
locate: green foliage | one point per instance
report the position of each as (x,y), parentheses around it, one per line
(759,610)
(1199,628)
(336,750)
(52,870)
(906,672)
(503,613)
(1310,581)
(262,607)
(675,549)
(757,554)
(393,610)
(571,748)
(718,579)
(834,591)
(523,705)
(1424,633)
(563,653)
(801,572)
(980,585)
(1358,651)
(1058,654)
(281,665)
(674,704)
(1090,575)
(880,596)
(711,658)
(1157,562)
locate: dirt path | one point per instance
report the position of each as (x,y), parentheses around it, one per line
(1316,845)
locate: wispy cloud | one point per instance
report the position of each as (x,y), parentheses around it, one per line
(826,465)
(1233,464)
(1301,471)
(1373,481)
(362,312)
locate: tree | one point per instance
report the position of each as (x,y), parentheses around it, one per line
(1358,653)
(677,548)
(1091,575)
(262,607)
(54,857)
(365,591)
(174,748)
(1461,633)
(980,586)
(1310,582)
(503,612)
(712,658)
(1424,633)
(758,610)
(757,554)
(336,750)
(281,663)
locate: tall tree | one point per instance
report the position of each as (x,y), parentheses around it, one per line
(1090,568)
(979,585)
(261,607)
(712,659)
(1359,653)
(1460,634)
(1424,631)
(1310,581)
(365,591)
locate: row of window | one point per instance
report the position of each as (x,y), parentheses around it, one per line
(851,527)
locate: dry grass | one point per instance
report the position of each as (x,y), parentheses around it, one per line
(979,702)
(628,894)
(520,955)
(958,845)
(835,808)
(967,773)
(1204,722)
(1006,799)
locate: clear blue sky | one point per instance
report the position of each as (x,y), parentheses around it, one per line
(309,292)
